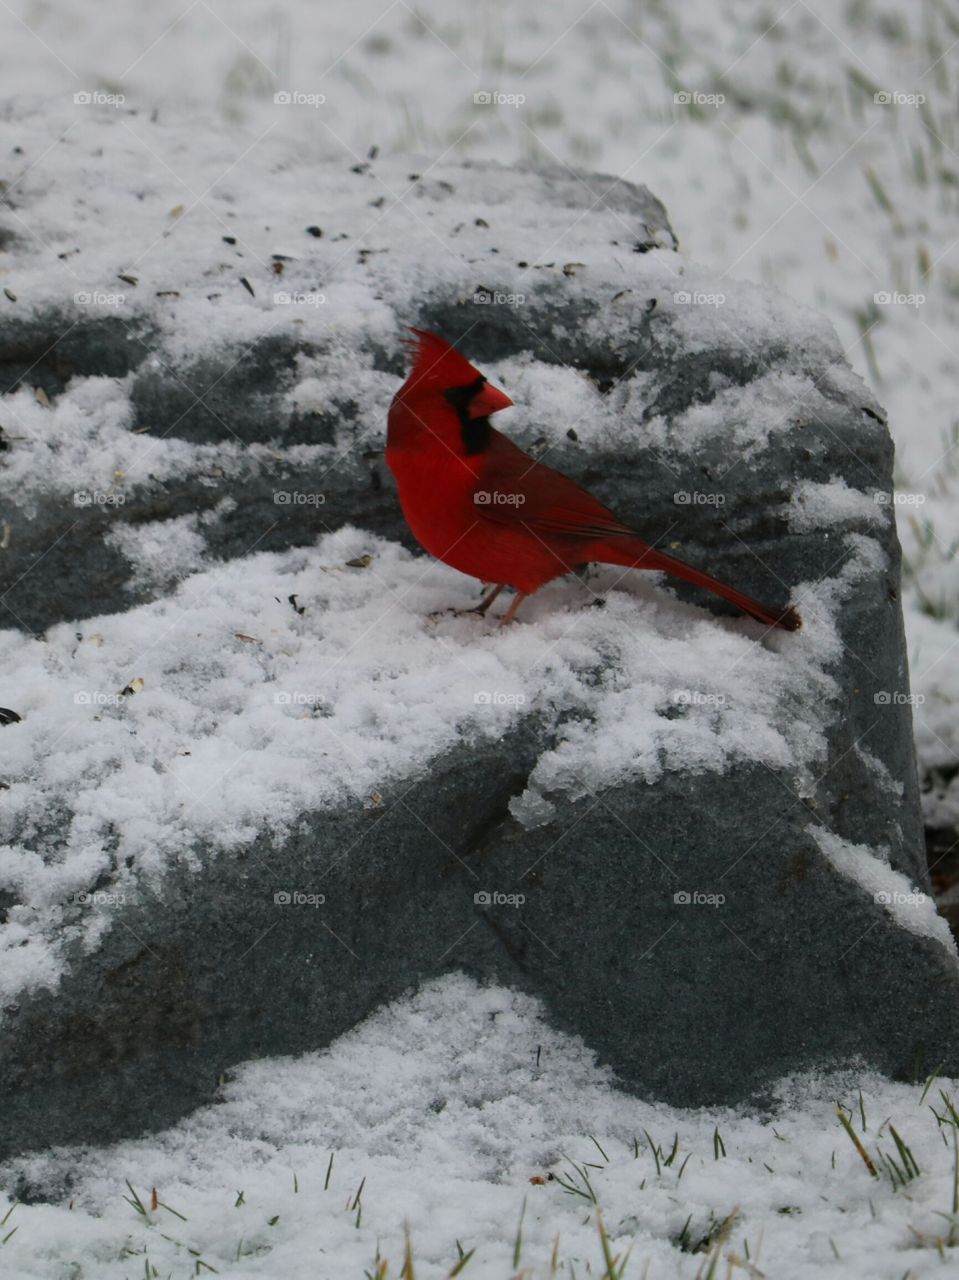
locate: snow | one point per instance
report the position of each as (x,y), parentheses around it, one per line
(164,551)
(941,809)
(218,712)
(447,1103)
(933,650)
(351,292)
(744,419)
(250,715)
(816,506)
(437,1101)
(881,772)
(905,902)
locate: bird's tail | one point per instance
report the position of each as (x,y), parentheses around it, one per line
(637,554)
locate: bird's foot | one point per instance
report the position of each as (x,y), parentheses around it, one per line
(510,613)
(484,604)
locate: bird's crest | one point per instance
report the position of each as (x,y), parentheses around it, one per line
(438,363)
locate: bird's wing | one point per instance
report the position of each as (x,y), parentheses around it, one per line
(515,489)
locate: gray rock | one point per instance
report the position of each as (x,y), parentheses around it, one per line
(801,966)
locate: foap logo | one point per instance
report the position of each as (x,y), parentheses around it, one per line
(97,98)
(495,298)
(294,98)
(497,698)
(493,98)
(896,698)
(100,898)
(97,498)
(696,298)
(297,898)
(698,898)
(99,298)
(284,299)
(695,698)
(296,698)
(497,498)
(693,98)
(492,898)
(896,898)
(899,499)
(94,698)
(895,98)
(685,498)
(885,298)
(295,498)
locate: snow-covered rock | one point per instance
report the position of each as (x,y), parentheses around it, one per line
(260,783)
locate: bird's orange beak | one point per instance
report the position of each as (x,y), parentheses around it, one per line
(489,400)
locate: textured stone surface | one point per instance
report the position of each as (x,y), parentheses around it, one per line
(801,967)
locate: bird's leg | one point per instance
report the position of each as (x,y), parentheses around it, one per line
(510,613)
(487,600)
(481,608)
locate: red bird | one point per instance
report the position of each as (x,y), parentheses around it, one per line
(476,501)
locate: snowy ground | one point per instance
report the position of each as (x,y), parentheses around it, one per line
(459,1112)
(450,1102)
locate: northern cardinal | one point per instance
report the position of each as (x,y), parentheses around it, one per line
(476,501)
